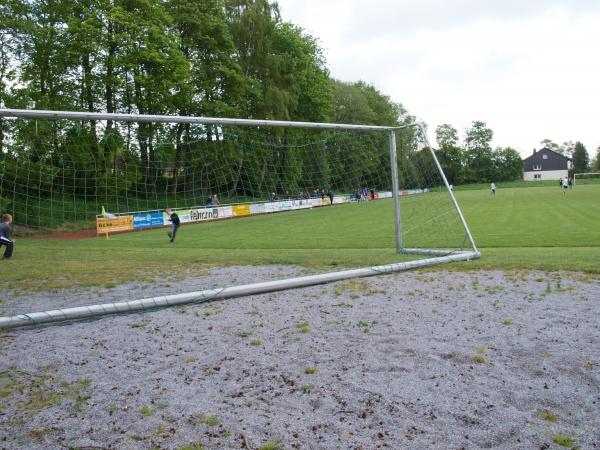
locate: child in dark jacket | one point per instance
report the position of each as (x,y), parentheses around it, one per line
(5,235)
(174,219)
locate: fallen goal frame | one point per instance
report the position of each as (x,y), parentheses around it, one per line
(438,256)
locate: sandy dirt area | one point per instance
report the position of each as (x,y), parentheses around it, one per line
(417,360)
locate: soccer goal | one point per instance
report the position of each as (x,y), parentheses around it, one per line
(586,177)
(338,186)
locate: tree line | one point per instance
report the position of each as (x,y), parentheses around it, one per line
(215,58)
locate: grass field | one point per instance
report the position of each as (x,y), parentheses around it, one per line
(533,228)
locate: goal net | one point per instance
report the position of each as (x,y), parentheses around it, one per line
(586,178)
(347,196)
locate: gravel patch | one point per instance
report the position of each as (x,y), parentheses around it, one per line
(413,360)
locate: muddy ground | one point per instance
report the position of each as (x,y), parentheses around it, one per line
(417,360)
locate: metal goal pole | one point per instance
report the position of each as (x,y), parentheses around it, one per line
(395,190)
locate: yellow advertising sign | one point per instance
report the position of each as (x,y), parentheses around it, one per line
(110,225)
(241,210)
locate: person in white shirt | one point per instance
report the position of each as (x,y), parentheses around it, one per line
(493,188)
(565,185)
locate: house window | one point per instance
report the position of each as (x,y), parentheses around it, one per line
(537,167)
(537,176)
(544,156)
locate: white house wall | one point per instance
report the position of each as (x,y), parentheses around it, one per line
(546,175)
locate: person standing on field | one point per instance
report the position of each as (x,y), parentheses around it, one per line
(493,188)
(565,185)
(174,219)
(5,235)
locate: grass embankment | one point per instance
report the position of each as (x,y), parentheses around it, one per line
(538,228)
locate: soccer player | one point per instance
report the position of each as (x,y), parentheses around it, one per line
(174,219)
(5,232)
(493,188)
(565,185)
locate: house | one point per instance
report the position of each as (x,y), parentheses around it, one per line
(545,164)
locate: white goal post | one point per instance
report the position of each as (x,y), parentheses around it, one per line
(433,223)
(584,175)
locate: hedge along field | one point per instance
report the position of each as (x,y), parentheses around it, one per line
(533,228)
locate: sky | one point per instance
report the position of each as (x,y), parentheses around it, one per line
(530,69)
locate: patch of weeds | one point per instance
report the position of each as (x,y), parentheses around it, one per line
(277,444)
(507,322)
(190,359)
(310,370)
(211,421)
(539,279)
(210,371)
(589,365)
(411,293)
(212,311)
(493,289)
(564,441)
(247,404)
(255,342)
(303,327)
(549,416)
(243,333)
(254,311)
(36,393)
(356,288)
(112,409)
(548,287)
(192,446)
(161,431)
(162,405)
(364,326)
(344,305)
(39,433)
(141,324)
(306,387)
(110,285)
(146,412)
(480,358)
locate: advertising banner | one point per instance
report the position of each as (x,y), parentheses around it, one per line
(257,208)
(241,210)
(147,220)
(109,225)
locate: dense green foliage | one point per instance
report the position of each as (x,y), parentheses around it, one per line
(221,58)
(581,159)
(476,162)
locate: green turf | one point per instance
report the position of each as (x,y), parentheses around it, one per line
(537,228)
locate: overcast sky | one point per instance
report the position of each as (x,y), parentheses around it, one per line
(530,69)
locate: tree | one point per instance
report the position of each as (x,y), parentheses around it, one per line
(581,159)
(479,153)
(596,162)
(446,136)
(565,149)
(508,165)
(449,153)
